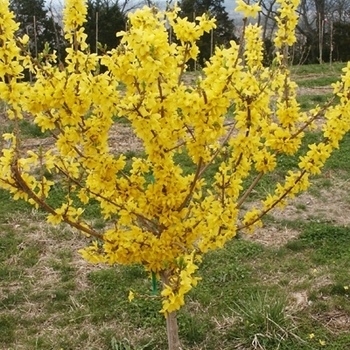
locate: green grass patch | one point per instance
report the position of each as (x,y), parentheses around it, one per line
(10,206)
(8,326)
(112,287)
(330,243)
(308,102)
(340,159)
(261,318)
(317,82)
(27,129)
(317,69)
(244,297)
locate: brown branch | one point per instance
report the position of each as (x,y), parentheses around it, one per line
(250,189)
(191,132)
(218,150)
(263,213)
(175,147)
(241,42)
(25,188)
(41,172)
(193,184)
(182,67)
(223,187)
(317,115)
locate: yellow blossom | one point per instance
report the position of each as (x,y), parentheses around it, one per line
(247,9)
(131,296)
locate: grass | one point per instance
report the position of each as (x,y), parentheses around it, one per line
(300,71)
(291,294)
(317,79)
(308,102)
(27,129)
(246,296)
(317,82)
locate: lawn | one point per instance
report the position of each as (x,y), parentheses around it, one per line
(285,287)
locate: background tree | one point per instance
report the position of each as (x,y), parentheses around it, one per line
(341,40)
(104,19)
(38,23)
(222,34)
(336,25)
(319,26)
(267,21)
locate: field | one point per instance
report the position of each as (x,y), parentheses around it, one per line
(285,287)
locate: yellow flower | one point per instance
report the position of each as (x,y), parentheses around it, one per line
(248,10)
(131,296)
(311,335)
(24,40)
(322,342)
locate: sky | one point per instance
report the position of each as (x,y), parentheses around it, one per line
(230,5)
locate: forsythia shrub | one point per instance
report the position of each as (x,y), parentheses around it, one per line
(158,216)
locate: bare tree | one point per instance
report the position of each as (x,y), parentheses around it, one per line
(56,17)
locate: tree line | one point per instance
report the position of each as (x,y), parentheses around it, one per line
(323,29)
